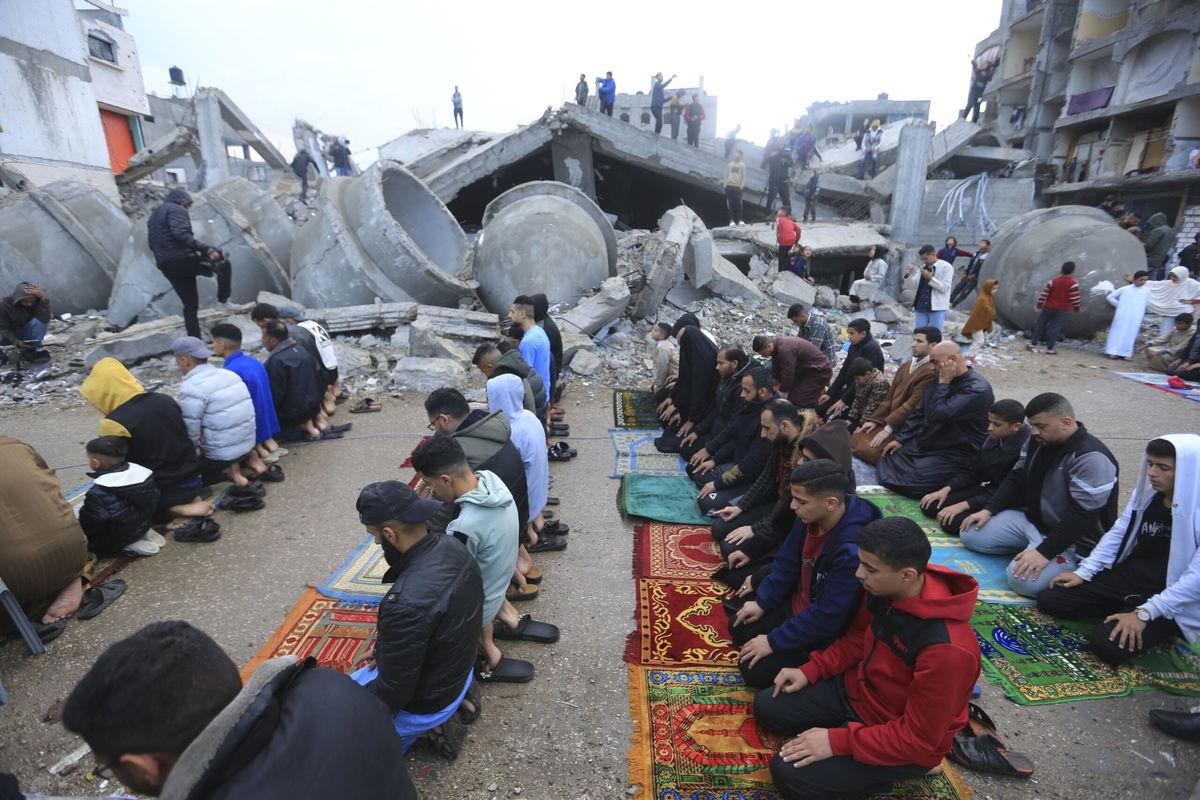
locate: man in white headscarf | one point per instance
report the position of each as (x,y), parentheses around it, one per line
(1176,295)
(1145,571)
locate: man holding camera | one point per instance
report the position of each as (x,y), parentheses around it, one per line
(181,257)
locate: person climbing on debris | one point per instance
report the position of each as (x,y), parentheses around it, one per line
(181,257)
(300,165)
(339,153)
(24,315)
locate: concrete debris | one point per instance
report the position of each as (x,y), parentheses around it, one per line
(235,216)
(826,297)
(132,350)
(426,374)
(382,236)
(545,237)
(66,237)
(585,362)
(1028,250)
(790,288)
(662,259)
(891,313)
(597,312)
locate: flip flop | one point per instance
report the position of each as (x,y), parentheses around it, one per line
(518,594)
(47,632)
(527,630)
(252,489)
(98,598)
(979,723)
(547,544)
(345,426)
(561,451)
(548,515)
(509,670)
(241,503)
(552,501)
(475,698)
(556,528)
(328,434)
(534,576)
(987,754)
(198,531)
(366,405)
(272,474)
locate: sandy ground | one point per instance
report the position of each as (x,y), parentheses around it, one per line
(566,734)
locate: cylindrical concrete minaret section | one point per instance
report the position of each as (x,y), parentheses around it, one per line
(382,234)
(1029,250)
(235,216)
(545,237)
(66,237)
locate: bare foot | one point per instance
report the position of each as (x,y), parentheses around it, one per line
(234,471)
(272,445)
(311,431)
(66,603)
(196,508)
(255,464)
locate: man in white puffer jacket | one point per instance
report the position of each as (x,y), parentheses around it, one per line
(218,412)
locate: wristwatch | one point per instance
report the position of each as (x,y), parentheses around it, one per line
(1142,614)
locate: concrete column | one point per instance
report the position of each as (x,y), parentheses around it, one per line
(571,154)
(912,168)
(212,143)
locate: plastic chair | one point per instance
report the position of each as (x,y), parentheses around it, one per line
(17,614)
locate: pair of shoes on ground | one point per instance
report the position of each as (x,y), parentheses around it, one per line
(198,530)
(561,451)
(148,545)
(979,747)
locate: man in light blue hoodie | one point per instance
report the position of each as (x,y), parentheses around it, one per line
(488,525)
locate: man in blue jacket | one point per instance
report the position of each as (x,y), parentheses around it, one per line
(180,256)
(812,594)
(606,90)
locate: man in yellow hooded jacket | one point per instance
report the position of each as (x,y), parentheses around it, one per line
(158,437)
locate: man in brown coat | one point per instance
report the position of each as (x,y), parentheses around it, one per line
(908,387)
(801,370)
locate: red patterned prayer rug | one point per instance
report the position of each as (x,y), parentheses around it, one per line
(681,623)
(336,633)
(674,551)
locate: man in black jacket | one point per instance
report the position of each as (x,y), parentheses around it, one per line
(165,710)
(838,398)
(732,364)
(429,621)
(24,316)
(739,452)
(296,385)
(300,165)
(180,256)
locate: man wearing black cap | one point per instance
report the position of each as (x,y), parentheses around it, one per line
(429,621)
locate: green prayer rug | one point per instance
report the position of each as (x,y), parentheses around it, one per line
(666,498)
(1037,659)
(634,409)
(897,505)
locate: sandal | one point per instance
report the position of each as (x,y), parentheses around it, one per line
(553,501)
(556,528)
(47,632)
(448,742)
(561,451)
(988,754)
(252,489)
(518,594)
(241,503)
(534,576)
(366,405)
(272,474)
(198,531)
(345,426)
(509,670)
(547,543)
(475,698)
(98,598)
(527,630)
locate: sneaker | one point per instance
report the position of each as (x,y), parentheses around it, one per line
(156,537)
(743,222)
(142,547)
(225,305)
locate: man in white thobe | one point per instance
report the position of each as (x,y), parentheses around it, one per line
(1130,304)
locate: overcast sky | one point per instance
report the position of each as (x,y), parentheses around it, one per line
(373,70)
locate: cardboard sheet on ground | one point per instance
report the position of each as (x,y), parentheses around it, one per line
(666,498)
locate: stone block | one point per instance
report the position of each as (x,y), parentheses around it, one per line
(598,311)
(901,349)
(426,374)
(277,300)
(400,340)
(878,330)
(446,348)
(761,268)
(130,350)
(890,313)
(422,338)
(576,341)
(585,362)
(826,297)
(791,288)
(353,362)
(728,281)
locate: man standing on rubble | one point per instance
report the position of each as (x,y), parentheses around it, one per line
(340,154)
(606,88)
(300,165)
(456,99)
(658,96)
(180,256)
(581,90)
(693,115)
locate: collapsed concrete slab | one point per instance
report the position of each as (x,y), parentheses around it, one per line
(662,259)
(595,313)
(381,235)
(66,237)
(235,216)
(1028,250)
(544,237)
(712,271)
(790,288)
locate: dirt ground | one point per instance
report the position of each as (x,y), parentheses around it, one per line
(567,733)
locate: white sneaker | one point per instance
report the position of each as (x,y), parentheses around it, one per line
(743,222)
(142,547)
(225,306)
(155,537)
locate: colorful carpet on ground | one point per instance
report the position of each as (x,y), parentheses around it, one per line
(1037,659)
(338,633)
(636,453)
(666,498)
(694,734)
(634,409)
(1158,380)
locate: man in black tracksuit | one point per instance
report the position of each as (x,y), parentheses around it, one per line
(840,395)
(180,256)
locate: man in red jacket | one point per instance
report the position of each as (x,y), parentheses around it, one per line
(883,702)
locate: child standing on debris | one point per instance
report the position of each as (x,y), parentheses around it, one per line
(735,182)
(787,234)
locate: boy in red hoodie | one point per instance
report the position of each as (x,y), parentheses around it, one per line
(787,233)
(1059,296)
(883,702)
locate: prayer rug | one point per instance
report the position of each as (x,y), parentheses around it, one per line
(897,505)
(674,551)
(1037,659)
(635,452)
(989,571)
(695,737)
(360,577)
(666,498)
(634,409)
(1158,380)
(338,634)
(681,623)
